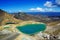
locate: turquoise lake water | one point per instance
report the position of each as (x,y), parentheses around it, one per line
(31,28)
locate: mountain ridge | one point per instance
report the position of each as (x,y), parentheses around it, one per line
(5,17)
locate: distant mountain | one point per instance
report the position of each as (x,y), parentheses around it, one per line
(6,18)
(27,17)
(45,13)
(54,16)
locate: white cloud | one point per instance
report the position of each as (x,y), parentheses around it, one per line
(49,10)
(32,9)
(41,9)
(49,4)
(58,2)
(20,10)
(36,9)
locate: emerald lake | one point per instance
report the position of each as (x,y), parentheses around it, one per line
(31,28)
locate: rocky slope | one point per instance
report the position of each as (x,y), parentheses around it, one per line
(6,18)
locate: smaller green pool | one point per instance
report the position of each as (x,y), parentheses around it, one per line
(31,28)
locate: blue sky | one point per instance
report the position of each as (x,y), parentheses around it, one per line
(30,5)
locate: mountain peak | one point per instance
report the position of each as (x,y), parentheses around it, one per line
(2,10)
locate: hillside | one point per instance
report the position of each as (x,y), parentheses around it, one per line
(6,18)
